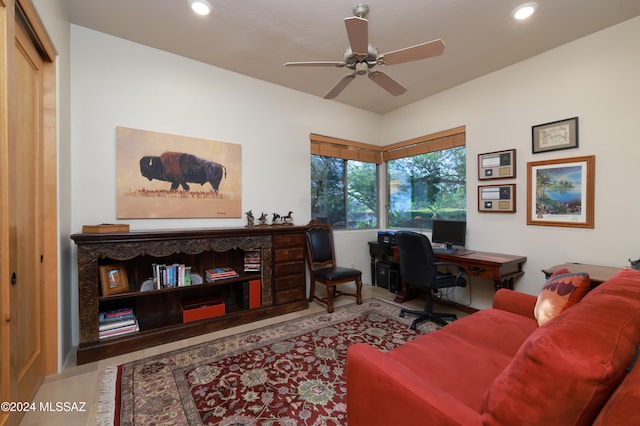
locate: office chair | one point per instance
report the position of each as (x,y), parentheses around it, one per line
(322,265)
(418,268)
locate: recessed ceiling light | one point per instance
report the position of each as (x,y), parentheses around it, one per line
(201,7)
(524,11)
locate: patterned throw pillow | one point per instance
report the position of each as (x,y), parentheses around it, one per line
(562,290)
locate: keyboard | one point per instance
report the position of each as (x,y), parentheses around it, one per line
(442,250)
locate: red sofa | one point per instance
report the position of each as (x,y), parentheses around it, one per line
(497,366)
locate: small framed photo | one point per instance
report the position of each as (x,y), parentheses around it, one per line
(554,136)
(497,165)
(497,198)
(561,192)
(113,279)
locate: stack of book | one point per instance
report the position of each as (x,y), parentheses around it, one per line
(117,322)
(252,261)
(223,273)
(176,275)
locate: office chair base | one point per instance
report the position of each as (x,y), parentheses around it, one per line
(438,318)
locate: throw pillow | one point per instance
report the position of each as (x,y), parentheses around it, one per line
(562,290)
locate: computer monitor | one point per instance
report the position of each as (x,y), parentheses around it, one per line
(449,232)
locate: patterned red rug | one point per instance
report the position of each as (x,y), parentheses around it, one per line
(286,374)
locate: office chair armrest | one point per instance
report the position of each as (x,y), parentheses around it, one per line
(461,270)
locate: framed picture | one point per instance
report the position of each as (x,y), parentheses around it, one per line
(561,192)
(113,279)
(497,165)
(555,136)
(497,198)
(161,175)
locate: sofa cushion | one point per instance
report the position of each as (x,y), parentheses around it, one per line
(622,407)
(495,329)
(438,356)
(566,370)
(561,291)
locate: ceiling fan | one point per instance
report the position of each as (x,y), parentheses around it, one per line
(362,57)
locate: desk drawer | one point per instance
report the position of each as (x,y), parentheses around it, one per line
(289,268)
(290,281)
(288,240)
(291,295)
(286,254)
(482,271)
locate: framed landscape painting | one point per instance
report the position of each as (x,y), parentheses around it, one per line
(561,192)
(160,175)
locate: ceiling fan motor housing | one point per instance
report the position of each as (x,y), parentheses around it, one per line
(371,58)
(361,10)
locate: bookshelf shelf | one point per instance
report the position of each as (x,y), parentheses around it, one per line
(280,288)
(132,294)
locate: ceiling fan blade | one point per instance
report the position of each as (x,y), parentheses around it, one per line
(414,53)
(340,86)
(358,33)
(315,64)
(387,83)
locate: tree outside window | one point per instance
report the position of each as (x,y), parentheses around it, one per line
(425,187)
(344,192)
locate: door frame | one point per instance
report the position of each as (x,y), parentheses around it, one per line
(10,12)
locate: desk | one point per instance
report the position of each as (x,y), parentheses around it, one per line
(502,269)
(597,274)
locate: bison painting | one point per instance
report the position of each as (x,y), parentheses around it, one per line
(180,168)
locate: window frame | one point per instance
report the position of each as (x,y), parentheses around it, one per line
(439,141)
(346,150)
(328,146)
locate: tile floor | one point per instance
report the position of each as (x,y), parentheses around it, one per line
(82,383)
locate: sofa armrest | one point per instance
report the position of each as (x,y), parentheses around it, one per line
(515,302)
(381,392)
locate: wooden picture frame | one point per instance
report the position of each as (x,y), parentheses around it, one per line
(561,192)
(497,165)
(555,136)
(497,198)
(113,279)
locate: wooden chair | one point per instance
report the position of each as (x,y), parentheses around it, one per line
(322,265)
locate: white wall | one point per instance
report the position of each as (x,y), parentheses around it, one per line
(120,83)
(594,78)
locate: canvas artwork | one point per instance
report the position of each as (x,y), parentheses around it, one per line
(160,175)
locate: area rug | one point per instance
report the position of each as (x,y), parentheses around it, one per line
(291,373)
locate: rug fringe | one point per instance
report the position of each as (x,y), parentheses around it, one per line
(106,402)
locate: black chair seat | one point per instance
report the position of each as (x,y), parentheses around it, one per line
(337,274)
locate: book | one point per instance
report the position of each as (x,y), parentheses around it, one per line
(167,276)
(115,315)
(221,273)
(119,331)
(110,325)
(254,294)
(252,261)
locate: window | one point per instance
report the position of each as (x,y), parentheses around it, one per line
(344,176)
(426,179)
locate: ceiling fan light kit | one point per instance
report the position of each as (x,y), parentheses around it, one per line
(362,56)
(201,7)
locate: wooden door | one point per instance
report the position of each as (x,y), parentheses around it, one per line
(28,218)
(27,359)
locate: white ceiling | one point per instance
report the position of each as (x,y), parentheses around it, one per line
(256,37)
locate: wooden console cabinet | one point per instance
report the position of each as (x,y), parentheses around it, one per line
(282,282)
